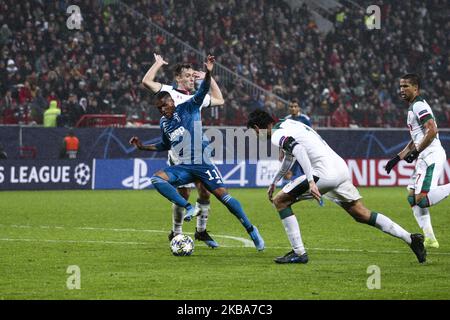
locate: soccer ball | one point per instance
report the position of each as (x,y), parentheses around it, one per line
(182,245)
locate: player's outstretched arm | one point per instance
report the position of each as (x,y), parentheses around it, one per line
(204,87)
(216,93)
(288,160)
(150,147)
(149,79)
(209,64)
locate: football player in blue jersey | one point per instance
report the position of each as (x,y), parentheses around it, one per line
(181,131)
(185,77)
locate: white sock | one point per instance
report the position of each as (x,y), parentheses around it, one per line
(423,219)
(293,232)
(390,227)
(202,218)
(177,219)
(438,194)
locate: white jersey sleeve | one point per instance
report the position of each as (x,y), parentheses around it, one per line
(418,114)
(422,111)
(321,157)
(180,98)
(278,137)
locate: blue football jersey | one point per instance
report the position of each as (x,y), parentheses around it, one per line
(183,132)
(301,118)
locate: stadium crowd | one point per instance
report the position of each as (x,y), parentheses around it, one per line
(348,76)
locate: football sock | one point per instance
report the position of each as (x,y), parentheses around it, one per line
(235,208)
(202,218)
(292,229)
(177,219)
(388,226)
(438,194)
(423,219)
(168,191)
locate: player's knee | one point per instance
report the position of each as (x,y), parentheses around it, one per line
(277,203)
(184,192)
(161,175)
(422,201)
(280,203)
(219,193)
(203,194)
(358,212)
(359,217)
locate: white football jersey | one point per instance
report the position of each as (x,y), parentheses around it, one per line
(324,161)
(420,112)
(179,97)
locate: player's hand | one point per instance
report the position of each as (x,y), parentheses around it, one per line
(392,163)
(411,156)
(136,142)
(270,191)
(199,75)
(159,60)
(209,64)
(315,191)
(281,155)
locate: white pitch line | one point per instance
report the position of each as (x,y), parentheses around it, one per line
(73,241)
(223,246)
(247,243)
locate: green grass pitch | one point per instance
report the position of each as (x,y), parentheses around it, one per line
(118,239)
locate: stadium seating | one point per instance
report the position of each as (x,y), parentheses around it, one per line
(98,69)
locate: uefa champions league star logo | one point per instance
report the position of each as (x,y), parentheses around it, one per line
(139,179)
(82,174)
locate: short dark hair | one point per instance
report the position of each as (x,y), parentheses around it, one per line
(160,96)
(259,118)
(178,69)
(413,78)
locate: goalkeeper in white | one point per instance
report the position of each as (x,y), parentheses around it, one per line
(325,173)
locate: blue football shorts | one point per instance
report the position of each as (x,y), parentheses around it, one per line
(182,174)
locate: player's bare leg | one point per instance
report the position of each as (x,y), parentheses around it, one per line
(363,215)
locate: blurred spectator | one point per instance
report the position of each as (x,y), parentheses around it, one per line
(281,50)
(296,113)
(70,146)
(340,117)
(51,114)
(11,67)
(8,107)
(25,93)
